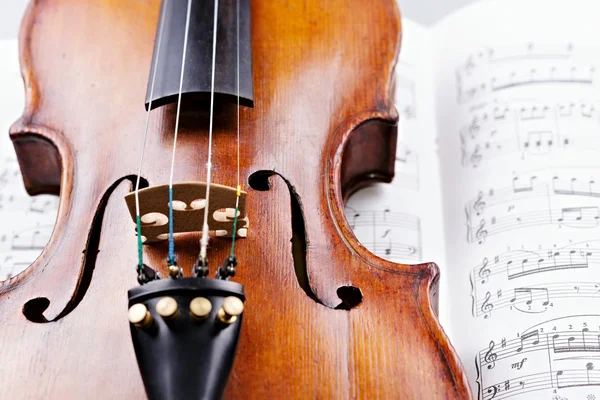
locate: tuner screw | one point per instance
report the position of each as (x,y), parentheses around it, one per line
(232,308)
(139,316)
(201,268)
(174,271)
(227,270)
(200,308)
(167,307)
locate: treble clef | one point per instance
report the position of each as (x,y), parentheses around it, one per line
(474,128)
(479,204)
(487,306)
(476,157)
(463,151)
(490,357)
(481,233)
(484,271)
(468,223)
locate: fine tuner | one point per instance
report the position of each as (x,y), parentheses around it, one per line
(200,309)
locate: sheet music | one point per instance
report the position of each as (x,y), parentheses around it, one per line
(519,131)
(27,222)
(402,221)
(555,356)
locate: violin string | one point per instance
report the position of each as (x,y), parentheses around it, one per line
(139,172)
(239,187)
(204,238)
(185,40)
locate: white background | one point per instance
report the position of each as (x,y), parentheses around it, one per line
(425,12)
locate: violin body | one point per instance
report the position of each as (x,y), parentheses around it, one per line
(324,318)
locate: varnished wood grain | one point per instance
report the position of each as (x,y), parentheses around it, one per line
(323,73)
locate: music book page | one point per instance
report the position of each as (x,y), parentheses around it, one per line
(517,94)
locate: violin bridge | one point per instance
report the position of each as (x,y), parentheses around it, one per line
(188,210)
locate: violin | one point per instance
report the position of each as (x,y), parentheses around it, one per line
(203,152)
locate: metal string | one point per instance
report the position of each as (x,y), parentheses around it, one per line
(204,238)
(239,187)
(171,240)
(139,173)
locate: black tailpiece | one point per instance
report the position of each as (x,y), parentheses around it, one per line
(182,352)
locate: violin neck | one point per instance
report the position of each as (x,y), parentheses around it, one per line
(234,54)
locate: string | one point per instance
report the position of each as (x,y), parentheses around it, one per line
(239,187)
(139,172)
(171,240)
(204,239)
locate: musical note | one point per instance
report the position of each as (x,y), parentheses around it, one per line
(527,295)
(385,212)
(351,217)
(533,336)
(491,216)
(407,167)
(516,73)
(577,343)
(517,264)
(530,129)
(578,377)
(536,299)
(31,239)
(401,233)
(570,214)
(388,250)
(518,187)
(42,205)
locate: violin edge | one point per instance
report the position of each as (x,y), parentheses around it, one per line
(426,295)
(380,126)
(34,143)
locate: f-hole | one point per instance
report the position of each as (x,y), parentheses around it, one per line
(34,309)
(349,295)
